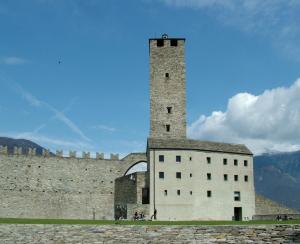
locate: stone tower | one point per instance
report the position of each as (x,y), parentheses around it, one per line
(167,88)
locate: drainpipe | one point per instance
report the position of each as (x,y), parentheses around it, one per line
(154,180)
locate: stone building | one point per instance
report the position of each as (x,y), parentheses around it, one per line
(185,179)
(189,179)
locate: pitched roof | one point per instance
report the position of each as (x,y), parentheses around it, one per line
(188,144)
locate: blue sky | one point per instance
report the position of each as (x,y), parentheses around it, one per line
(242,57)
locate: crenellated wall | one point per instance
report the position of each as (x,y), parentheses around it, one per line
(50,186)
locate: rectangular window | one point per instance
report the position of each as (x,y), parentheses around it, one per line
(209,176)
(208,160)
(165,192)
(208,193)
(246,178)
(174,43)
(178,159)
(190,158)
(178,175)
(225,161)
(169,109)
(235,162)
(161,158)
(160,42)
(237,196)
(167,75)
(178,192)
(191,175)
(168,128)
(191,193)
(161,175)
(225,177)
(236,177)
(245,163)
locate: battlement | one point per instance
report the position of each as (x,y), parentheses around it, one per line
(19,151)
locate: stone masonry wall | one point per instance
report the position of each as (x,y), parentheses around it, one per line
(57,187)
(167,91)
(273,234)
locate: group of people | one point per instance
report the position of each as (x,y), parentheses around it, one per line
(279,217)
(139,216)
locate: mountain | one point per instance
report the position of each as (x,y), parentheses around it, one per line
(277,176)
(25,144)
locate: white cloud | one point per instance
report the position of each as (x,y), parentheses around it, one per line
(104,127)
(13,60)
(276,20)
(266,122)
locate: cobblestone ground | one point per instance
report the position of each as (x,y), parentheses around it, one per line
(148,234)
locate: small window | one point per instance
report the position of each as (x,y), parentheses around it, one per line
(208,193)
(190,158)
(191,192)
(191,175)
(246,178)
(178,159)
(178,192)
(178,175)
(160,42)
(208,160)
(161,175)
(225,161)
(236,177)
(168,128)
(245,163)
(209,176)
(237,196)
(167,75)
(225,177)
(169,109)
(161,158)
(174,43)
(235,162)
(165,192)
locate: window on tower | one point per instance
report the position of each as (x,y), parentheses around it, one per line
(160,42)
(168,128)
(167,75)
(169,109)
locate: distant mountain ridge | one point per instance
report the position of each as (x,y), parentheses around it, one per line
(25,144)
(277,176)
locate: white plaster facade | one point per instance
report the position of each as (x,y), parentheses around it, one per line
(193,202)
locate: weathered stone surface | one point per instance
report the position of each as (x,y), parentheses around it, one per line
(58,187)
(167,89)
(147,234)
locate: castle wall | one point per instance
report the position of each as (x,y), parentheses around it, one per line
(57,187)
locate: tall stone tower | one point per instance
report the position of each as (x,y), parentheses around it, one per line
(167,88)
